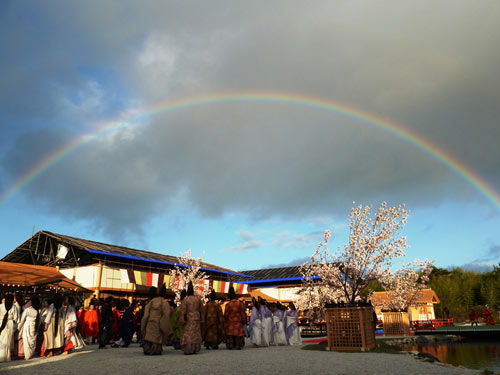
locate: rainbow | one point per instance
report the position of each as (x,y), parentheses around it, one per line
(385,125)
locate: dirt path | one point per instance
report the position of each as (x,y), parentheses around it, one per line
(274,360)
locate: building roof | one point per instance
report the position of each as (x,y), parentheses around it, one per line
(35,251)
(275,273)
(274,276)
(425,296)
(27,275)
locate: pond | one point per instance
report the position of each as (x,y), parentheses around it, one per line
(472,354)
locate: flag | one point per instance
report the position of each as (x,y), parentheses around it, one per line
(216,286)
(160,281)
(131,276)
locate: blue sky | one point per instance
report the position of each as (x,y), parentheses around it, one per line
(250,184)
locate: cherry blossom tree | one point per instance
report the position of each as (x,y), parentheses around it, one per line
(374,242)
(189,269)
(404,287)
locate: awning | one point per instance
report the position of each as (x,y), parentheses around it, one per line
(28,275)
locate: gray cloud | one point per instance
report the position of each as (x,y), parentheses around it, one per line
(483,263)
(248,245)
(248,242)
(415,64)
(293,240)
(476,267)
(491,256)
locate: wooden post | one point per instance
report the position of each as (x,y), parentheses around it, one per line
(98,285)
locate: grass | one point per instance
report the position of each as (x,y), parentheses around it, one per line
(382,347)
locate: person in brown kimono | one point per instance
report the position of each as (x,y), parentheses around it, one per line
(191,319)
(155,324)
(235,319)
(213,328)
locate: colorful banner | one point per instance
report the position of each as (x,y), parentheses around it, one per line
(158,279)
(143,278)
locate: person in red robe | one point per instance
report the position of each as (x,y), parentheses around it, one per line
(117,319)
(235,319)
(90,329)
(80,314)
(487,316)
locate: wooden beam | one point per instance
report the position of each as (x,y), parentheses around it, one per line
(99,277)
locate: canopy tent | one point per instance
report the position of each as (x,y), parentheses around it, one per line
(27,275)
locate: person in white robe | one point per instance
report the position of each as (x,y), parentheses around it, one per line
(73,339)
(292,327)
(53,337)
(267,322)
(255,326)
(279,337)
(8,324)
(28,327)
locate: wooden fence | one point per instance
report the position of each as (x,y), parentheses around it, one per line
(396,323)
(350,328)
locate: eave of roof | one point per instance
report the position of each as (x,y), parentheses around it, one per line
(163,262)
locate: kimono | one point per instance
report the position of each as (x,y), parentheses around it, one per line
(235,319)
(53,337)
(267,323)
(155,325)
(73,339)
(127,328)
(278,335)
(116,324)
(90,327)
(105,324)
(213,327)
(191,319)
(6,336)
(18,310)
(28,330)
(256,327)
(177,328)
(488,318)
(292,328)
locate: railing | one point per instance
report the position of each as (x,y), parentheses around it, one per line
(431,324)
(313,328)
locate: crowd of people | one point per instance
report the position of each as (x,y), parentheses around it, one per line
(55,326)
(37,328)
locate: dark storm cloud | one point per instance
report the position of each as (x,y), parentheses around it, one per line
(428,66)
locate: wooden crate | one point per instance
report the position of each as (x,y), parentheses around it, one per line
(396,323)
(350,328)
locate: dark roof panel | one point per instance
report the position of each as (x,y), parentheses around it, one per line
(25,252)
(275,273)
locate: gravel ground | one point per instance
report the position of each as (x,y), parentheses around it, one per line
(273,360)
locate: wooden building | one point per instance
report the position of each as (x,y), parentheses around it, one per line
(422,309)
(106,269)
(275,284)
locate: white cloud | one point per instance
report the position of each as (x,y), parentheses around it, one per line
(248,245)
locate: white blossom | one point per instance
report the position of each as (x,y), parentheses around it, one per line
(341,277)
(188,269)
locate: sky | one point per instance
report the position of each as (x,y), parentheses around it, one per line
(244,130)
